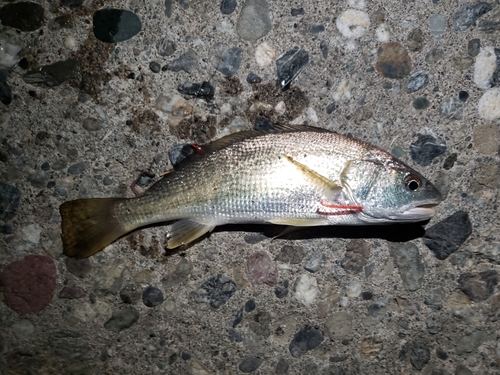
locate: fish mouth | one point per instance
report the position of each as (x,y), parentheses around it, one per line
(419,213)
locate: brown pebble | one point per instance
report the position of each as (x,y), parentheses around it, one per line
(260,269)
(393,61)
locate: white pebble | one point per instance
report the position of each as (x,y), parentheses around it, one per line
(225,109)
(344,301)
(343,91)
(486,63)
(358,4)
(70,43)
(354,288)
(306,289)
(382,33)
(280,108)
(353,23)
(311,114)
(31,233)
(489,104)
(264,54)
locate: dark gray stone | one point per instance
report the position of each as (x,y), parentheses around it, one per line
(238,318)
(168,8)
(433,324)
(250,305)
(77,168)
(165,47)
(282,367)
(263,124)
(417,81)
(54,74)
(297,12)
(130,294)
(5,90)
(473,47)
(254,20)
(72,3)
(234,336)
(415,40)
(121,320)
(228,6)
(331,107)
(92,124)
(316,29)
(420,355)
(488,27)
(425,149)
(435,298)
(250,364)
(115,25)
(154,66)
(434,56)
(199,90)
(467,15)
(226,61)
(152,296)
(421,103)
(253,78)
(478,286)
(308,338)
(179,152)
(314,262)
(280,292)
(186,62)
(9,201)
(469,344)
(323,46)
(215,292)
(451,108)
(290,64)
(448,235)
(24,15)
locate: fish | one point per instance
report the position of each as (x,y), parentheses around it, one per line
(294,175)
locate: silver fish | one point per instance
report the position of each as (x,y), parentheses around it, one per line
(291,175)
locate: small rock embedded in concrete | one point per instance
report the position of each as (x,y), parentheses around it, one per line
(434,325)
(260,269)
(434,56)
(291,254)
(109,278)
(264,54)
(356,255)
(38,179)
(250,305)
(308,338)
(421,103)
(5,90)
(489,105)
(92,124)
(238,318)
(478,286)
(79,267)
(487,67)
(353,23)
(24,15)
(253,78)
(9,201)
(462,370)
(467,15)
(155,67)
(130,294)
(121,320)
(486,138)
(228,6)
(314,262)
(462,62)
(263,124)
(152,296)
(451,108)
(289,65)
(180,274)
(420,355)
(441,354)
(254,20)
(166,47)
(203,90)
(371,346)
(415,40)
(53,74)
(234,336)
(179,152)
(226,61)
(29,284)
(71,293)
(323,46)
(435,298)
(393,61)
(437,24)
(215,292)
(417,81)
(297,12)
(306,289)
(280,292)
(469,344)
(250,364)
(115,25)
(463,96)
(186,62)
(425,149)
(316,29)
(282,367)
(473,47)
(448,235)
(487,26)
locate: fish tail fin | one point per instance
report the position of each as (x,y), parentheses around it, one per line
(88,226)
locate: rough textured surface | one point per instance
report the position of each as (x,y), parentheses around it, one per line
(82,118)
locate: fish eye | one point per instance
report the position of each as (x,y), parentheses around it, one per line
(412,182)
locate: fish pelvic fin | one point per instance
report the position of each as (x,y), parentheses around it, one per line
(88,226)
(185,231)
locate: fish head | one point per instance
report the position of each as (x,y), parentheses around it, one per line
(389,190)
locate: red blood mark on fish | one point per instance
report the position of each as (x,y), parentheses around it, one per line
(340,209)
(197,148)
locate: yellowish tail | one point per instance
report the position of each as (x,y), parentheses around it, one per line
(88,226)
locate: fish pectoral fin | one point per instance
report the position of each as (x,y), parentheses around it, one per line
(185,231)
(325,185)
(300,222)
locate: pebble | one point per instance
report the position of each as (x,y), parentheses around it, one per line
(25,16)
(280,292)
(421,103)
(308,338)
(180,274)
(92,124)
(451,108)
(486,71)
(437,24)
(435,298)
(186,62)
(53,75)
(339,325)
(122,319)
(10,46)
(393,61)
(253,78)
(71,293)
(290,64)
(178,153)
(415,40)
(215,292)
(486,138)
(250,364)
(478,286)
(109,278)
(434,55)
(260,269)
(203,90)
(356,255)
(489,104)
(297,12)
(250,305)
(38,179)
(462,62)
(306,289)
(264,54)
(487,26)
(152,296)
(371,346)
(228,6)
(353,289)
(323,46)
(254,20)
(70,43)
(314,262)
(5,89)
(445,237)
(433,324)
(23,329)
(226,61)
(353,23)
(469,344)
(9,201)
(155,66)
(79,267)
(417,81)
(382,32)
(473,47)
(263,124)
(467,15)
(115,25)
(291,254)
(29,284)
(166,47)
(316,29)
(409,263)
(425,149)
(282,367)
(420,354)
(234,336)
(130,294)
(72,3)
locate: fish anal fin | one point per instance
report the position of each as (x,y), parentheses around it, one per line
(300,222)
(185,231)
